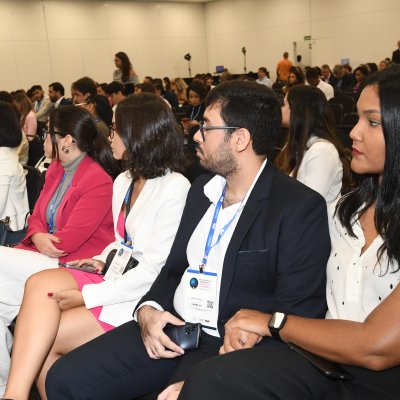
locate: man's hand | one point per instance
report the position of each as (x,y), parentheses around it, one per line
(68,299)
(44,244)
(157,343)
(99,265)
(171,392)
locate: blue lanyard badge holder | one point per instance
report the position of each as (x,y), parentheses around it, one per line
(200,285)
(120,260)
(54,205)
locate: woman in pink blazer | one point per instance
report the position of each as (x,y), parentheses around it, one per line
(72,218)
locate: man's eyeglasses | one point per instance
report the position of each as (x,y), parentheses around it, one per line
(204,128)
(112,129)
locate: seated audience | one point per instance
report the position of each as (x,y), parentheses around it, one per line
(72,217)
(42,105)
(82,89)
(249,237)
(56,95)
(101,89)
(27,116)
(23,149)
(13,195)
(263,77)
(313,153)
(116,93)
(313,79)
(180,88)
(101,112)
(327,76)
(362,329)
(148,201)
(361,73)
(197,95)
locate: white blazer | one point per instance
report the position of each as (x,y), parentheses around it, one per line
(13,194)
(321,169)
(152,224)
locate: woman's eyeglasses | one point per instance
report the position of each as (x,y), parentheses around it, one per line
(46,132)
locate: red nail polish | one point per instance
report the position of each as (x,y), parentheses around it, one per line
(50,294)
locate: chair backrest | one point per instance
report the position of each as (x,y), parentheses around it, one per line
(349,119)
(35,151)
(34,184)
(346,101)
(337,110)
(343,132)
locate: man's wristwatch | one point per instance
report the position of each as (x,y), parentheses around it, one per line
(276,323)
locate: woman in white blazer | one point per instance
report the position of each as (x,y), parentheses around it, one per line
(13,195)
(313,154)
(148,200)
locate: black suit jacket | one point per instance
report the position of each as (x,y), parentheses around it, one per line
(65,102)
(276,259)
(396,56)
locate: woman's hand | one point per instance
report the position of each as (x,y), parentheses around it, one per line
(99,265)
(44,244)
(68,299)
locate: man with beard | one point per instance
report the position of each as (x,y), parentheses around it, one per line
(250,238)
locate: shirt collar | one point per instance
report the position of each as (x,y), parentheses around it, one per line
(213,188)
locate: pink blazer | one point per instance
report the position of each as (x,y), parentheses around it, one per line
(84,218)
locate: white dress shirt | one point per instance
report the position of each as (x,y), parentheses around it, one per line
(326,88)
(356,283)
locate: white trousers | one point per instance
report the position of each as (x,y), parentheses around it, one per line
(16,266)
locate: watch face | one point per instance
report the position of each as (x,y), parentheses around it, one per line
(277,319)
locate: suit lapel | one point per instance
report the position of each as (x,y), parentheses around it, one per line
(255,203)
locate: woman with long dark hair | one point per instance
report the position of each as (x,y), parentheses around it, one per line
(313,154)
(362,329)
(72,217)
(148,200)
(124,72)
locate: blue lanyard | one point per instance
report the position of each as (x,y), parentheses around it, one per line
(53,206)
(209,244)
(127,200)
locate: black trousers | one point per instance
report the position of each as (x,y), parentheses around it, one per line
(116,366)
(282,374)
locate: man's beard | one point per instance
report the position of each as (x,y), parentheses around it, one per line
(221,162)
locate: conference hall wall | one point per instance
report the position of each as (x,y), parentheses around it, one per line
(46,41)
(359,30)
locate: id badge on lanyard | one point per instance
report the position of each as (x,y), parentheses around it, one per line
(119,262)
(200,291)
(125,249)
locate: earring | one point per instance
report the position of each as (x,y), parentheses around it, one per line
(65,149)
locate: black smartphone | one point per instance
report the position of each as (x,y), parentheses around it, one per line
(327,368)
(84,267)
(185,336)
